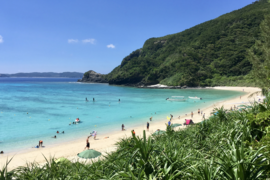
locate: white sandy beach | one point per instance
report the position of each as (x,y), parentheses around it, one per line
(71,149)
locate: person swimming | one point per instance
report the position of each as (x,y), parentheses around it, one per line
(93,99)
(119,100)
(57,132)
(86,99)
(63,132)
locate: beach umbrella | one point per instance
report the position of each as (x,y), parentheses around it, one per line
(62,159)
(242,105)
(176,125)
(159,132)
(89,154)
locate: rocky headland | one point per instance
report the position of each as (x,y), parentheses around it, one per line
(92,76)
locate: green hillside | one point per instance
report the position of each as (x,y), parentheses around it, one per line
(211,53)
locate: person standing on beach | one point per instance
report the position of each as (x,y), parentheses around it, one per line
(123,127)
(147,125)
(203,115)
(87,143)
(199,111)
(191,114)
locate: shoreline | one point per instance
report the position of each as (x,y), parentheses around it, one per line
(71,148)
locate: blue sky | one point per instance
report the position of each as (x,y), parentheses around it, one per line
(65,35)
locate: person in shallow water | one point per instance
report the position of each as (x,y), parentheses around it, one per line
(2,152)
(57,132)
(93,99)
(86,99)
(63,132)
(54,137)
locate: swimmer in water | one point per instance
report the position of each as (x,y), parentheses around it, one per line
(119,100)
(57,132)
(54,137)
(63,132)
(93,99)
(86,99)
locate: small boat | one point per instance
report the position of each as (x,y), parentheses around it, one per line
(195,98)
(176,98)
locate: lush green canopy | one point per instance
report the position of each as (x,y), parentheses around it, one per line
(211,53)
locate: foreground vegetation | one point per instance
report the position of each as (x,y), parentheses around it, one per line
(209,54)
(229,145)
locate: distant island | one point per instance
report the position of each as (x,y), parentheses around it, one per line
(46,74)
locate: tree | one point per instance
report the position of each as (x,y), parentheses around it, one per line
(259,56)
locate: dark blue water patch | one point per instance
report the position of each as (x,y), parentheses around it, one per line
(56,128)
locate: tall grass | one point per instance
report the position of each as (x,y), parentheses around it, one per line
(226,146)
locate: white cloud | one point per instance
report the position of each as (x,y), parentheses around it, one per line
(72,40)
(1,39)
(111,46)
(91,41)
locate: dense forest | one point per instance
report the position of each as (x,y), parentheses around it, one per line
(209,54)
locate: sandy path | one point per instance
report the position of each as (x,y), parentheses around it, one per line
(70,149)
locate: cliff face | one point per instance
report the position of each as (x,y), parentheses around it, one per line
(92,76)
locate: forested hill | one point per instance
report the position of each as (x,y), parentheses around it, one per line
(211,53)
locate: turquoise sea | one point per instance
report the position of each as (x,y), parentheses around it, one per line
(33,109)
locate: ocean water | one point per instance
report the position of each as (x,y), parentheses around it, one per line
(33,109)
